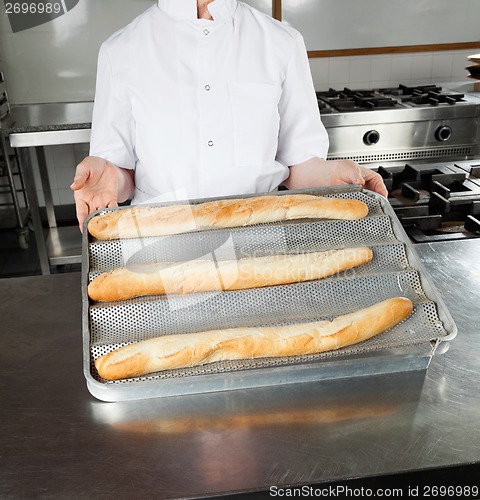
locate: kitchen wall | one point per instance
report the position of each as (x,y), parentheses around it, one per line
(372,71)
(70,76)
(346,24)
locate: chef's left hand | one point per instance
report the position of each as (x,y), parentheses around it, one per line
(319,173)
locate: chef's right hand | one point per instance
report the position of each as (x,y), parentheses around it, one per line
(95,186)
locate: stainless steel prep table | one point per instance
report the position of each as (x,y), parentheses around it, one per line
(29,128)
(58,441)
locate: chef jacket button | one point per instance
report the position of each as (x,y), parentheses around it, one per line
(206,32)
(207,87)
(210,143)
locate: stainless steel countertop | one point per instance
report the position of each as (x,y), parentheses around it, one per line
(58,441)
(49,124)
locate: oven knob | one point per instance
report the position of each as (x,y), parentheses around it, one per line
(371,137)
(443,133)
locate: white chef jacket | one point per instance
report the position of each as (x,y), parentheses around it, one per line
(203,108)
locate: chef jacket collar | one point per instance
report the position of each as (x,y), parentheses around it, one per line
(186,10)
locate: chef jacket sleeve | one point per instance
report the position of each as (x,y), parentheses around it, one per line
(302,134)
(113,127)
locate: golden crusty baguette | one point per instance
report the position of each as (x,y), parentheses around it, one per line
(141,221)
(185,350)
(207,275)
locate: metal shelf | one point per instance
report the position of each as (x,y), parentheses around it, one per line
(29,129)
(64,245)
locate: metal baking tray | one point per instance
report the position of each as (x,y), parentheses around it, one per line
(394,271)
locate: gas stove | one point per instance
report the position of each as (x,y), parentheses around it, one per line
(401,123)
(435,201)
(423,140)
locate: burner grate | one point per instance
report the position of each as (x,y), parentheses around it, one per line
(355,100)
(433,99)
(403,96)
(434,202)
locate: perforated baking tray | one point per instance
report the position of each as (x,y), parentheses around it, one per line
(394,271)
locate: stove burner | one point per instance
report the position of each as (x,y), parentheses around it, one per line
(355,100)
(451,227)
(409,195)
(424,95)
(433,98)
(450,230)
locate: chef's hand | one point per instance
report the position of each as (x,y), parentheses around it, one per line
(99,183)
(318,173)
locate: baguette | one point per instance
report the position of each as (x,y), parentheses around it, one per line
(141,221)
(186,350)
(207,275)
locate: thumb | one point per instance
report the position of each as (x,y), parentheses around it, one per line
(355,176)
(81,175)
(359,180)
(349,172)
